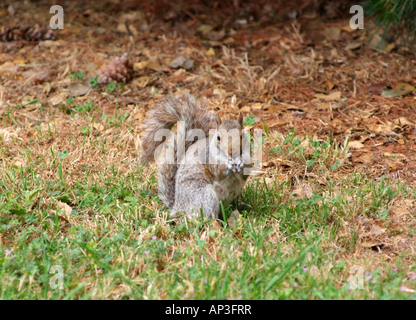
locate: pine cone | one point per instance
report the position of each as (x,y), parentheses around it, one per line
(119,70)
(35,33)
(10,34)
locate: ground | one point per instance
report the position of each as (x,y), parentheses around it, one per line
(331,214)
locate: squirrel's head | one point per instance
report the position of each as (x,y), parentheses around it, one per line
(229,137)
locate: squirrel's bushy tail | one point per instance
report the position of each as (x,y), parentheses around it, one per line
(165,116)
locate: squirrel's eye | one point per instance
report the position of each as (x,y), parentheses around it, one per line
(218,138)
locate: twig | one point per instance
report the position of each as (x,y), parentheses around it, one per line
(249,99)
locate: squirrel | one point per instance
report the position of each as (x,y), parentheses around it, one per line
(197,176)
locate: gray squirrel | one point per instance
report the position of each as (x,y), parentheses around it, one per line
(195,176)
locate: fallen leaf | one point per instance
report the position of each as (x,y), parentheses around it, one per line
(216,35)
(355,144)
(140,65)
(353,45)
(229,40)
(204,28)
(122,28)
(380,128)
(219,92)
(17,164)
(334,96)
(402,121)
(210,52)
(376,231)
(257,106)
(141,82)
(400,89)
(332,33)
(314,272)
(377,42)
(98,126)
(139,115)
(8,67)
(66,209)
(303,191)
(366,158)
(38,76)
(395,155)
(182,62)
(59,98)
(234,217)
(78,89)
(155,65)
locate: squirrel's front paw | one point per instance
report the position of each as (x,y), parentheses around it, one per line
(237,165)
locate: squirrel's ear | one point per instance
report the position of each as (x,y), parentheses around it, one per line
(218,120)
(240,119)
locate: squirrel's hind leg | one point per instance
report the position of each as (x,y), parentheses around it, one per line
(192,196)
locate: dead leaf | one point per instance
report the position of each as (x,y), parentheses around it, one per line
(395,160)
(376,231)
(155,65)
(216,225)
(314,272)
(204,28)
(216,35)
(141,82)
(402,121)
(17,164)
(8,67)
(78,89)
(39,76)
(355,144)
(182,62)
(332,33)
(303,191)
(140,65)
(353,45)
(366,158)
(66,210)
(47,88)
(210,52)
(59,98)
(122,28)
(234,217)
(98,126)
(377,42)
(245,109)
(400,89)
(139,115)
(334,96)
(380,128)
(257,106)
(219,92)
(229,40)
(400,156)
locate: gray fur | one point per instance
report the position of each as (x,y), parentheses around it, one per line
(168,112)
(193,185)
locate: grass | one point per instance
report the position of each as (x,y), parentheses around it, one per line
(75,197)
